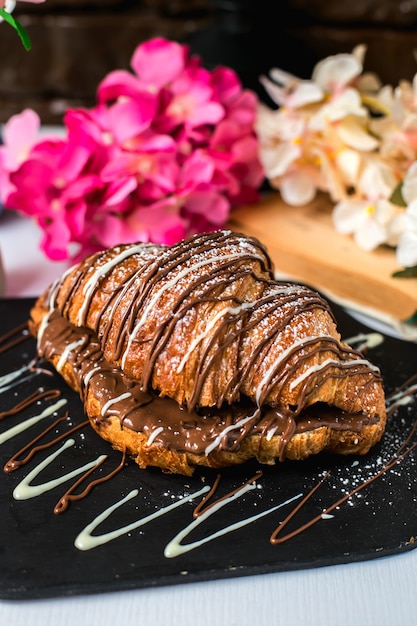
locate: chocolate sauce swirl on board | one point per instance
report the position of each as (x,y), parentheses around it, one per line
(14,462)
(36,396)
(14,337)
(199,270)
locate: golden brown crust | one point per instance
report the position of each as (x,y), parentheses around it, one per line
(221,344)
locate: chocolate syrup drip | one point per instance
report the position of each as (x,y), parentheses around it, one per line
(36,396)
(16,335)
(205,504)
(69,496)
(400,454)
(14,463)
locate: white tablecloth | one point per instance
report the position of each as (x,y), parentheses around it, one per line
(26,270)
(382,592)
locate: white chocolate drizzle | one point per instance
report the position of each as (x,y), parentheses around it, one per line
(9,378)
(67,351)
(24,490)
(176,548)
(280,359)
(91,284)
(402,397)
(213,445)
(85,540)
(365,341)
(89,375)
(154,435)
(15,430)
(320,366)
(113,401)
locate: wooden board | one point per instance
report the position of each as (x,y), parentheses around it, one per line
(305,246)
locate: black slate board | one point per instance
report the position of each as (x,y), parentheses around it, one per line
(38,558)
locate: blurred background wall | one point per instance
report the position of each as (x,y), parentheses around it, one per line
(75,43)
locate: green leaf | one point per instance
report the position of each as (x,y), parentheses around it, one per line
(397,196)
(407,272)
(24,37)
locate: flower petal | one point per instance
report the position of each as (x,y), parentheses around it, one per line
(277,160)
(129,118)
(293,94)
(353,133)
(336,71)
(407,249)
(158,62)
(347,215)
(116,84)
(409,186)
(297,188)
(370,235)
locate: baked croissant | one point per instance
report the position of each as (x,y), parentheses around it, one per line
(194,355)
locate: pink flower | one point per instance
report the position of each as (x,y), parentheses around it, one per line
(168,150)
(19,135)
(159,62)
(52,188)
(159,222)
(201,192)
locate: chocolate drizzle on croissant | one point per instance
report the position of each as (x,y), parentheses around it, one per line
(194,354)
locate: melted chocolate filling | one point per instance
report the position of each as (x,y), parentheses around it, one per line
(179,427)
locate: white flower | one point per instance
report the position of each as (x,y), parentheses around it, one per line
(289,91)
(9,6)
(397,127)
(298,188)
(407,244)
(286,159)
(370,223)
(409,185)
(320,130)
(376,179)
(323,137)
(335,72)
(279,135)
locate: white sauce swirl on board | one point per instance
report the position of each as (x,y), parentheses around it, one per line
(364,341)
(24,490)
(85,540)
(176,548)
(15,430)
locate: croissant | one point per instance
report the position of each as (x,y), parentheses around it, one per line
(195,355)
